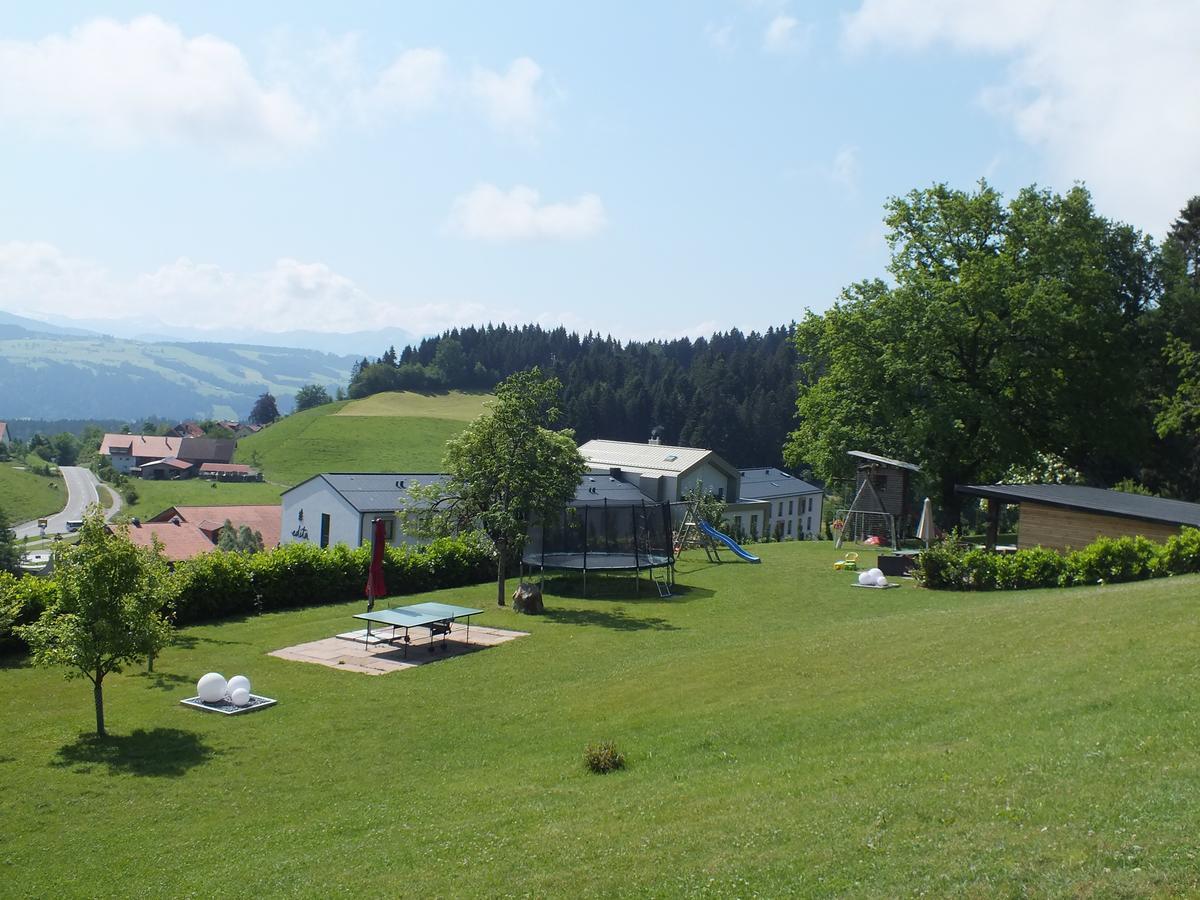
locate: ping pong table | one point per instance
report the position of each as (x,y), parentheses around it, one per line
(434,617)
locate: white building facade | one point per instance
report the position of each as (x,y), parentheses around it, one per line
(339,508)
(775,503)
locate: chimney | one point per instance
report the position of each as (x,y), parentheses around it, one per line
(656,434)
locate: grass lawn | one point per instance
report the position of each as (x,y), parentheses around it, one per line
(394,433)
(786,733)
(155,496)
(25,496)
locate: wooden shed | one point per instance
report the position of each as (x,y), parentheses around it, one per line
(1066,516)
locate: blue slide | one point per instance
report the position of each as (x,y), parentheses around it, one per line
(728,542)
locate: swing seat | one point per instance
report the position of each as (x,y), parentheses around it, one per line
(849,563)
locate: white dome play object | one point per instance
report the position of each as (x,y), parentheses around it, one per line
(238,681)
(865,578)
(239,696)
(881,581)
(875,573)
(211,687)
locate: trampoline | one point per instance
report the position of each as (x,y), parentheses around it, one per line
(605,536)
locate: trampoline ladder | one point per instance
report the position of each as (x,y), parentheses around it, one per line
(664,587)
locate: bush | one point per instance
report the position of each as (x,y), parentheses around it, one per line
(221,584)
(603,757)
(948,566)
(1112,560)
(22,600)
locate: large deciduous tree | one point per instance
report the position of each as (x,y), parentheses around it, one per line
(265,409)
(108,610)
(1009,330)
(507,469)
(311,395)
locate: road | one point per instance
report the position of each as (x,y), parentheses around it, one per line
(81,493)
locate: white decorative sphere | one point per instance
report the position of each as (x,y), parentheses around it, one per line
(875,573)
(238,681)
(211,687)
(239,696)
(881,581)
(865,578)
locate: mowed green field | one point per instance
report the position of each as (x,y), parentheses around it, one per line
(25,496)
(155,496)
(395,432)
(786,734)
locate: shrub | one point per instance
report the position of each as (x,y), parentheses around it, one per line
(22,600)
(1112,560)
(1180,554)
(603,757)
(1032,568)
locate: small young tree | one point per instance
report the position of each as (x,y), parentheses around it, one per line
(10,556)
(227,538)
(505,470)
(109,608)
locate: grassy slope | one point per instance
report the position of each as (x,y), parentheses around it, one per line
(25,496)
(785,731)
(388,432)
(155,496)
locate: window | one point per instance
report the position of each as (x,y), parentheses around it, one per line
(789,527)
(808,527)
(324,529)
(791,507)
(810,504)
(880,481)
(781,507)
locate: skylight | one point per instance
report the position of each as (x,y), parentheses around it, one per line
(670,457)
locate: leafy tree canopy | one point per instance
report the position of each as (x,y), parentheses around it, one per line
(507,469)
(311,395)
(1010,330)
(108,610)
(265,410)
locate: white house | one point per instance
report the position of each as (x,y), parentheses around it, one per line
(663,472)
(792,506)
(338,508)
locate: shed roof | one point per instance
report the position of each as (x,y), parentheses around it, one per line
(370,492)
(760,483)
(170,463)
(1090,499)
(661,458)
(227,468)
(597,486)
(883,460)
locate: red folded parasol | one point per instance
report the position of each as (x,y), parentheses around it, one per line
(375,586)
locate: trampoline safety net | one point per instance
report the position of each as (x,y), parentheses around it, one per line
(602,536)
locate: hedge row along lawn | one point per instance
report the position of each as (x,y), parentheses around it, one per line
(783,732)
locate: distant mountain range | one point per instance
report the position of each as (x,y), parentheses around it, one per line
(52,371)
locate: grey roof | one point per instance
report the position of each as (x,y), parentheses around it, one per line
(1090,499)
(871,457)
(370,492)
(760,483)
(214,449)
(661,458)
(598,487)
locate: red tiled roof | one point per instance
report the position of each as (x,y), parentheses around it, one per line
(182,541)
(173,463)
(226,468)
(143,446)
(264,519)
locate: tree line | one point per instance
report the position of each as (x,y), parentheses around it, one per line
(733,393)
(1012,335)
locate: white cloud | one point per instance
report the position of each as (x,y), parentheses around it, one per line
(1104,87)
(786,34)
(144,81)
(414,82)
(511,100)
(288,294)
(489,213)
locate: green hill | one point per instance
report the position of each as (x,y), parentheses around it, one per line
(25,496)
(400,432)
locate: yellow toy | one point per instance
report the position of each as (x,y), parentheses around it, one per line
(849,563)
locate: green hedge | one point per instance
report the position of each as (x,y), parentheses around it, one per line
(219,584)
(947,566)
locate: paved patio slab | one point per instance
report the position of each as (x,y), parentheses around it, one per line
(350,653)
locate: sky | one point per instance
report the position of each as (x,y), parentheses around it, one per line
(646,170)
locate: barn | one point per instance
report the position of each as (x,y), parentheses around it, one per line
(1063,516)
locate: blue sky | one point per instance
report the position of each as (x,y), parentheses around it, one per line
(646,170)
